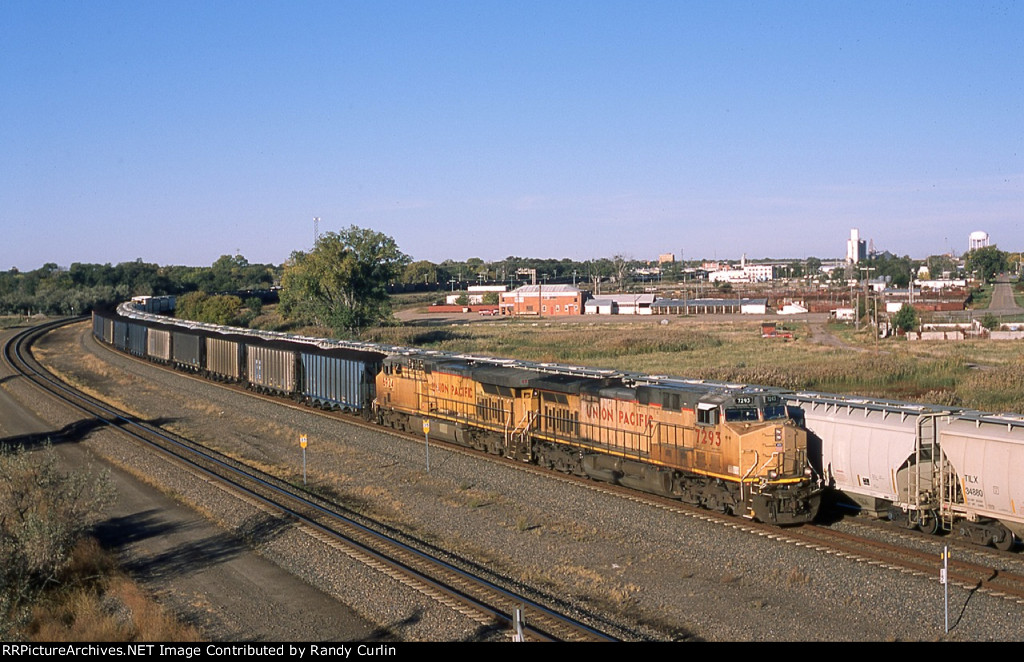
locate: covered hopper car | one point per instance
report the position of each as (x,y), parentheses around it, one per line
(930,467)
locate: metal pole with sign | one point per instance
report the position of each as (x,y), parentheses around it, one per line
(426,440)
(303,440)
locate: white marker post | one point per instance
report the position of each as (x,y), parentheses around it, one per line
(426,440)
(303,440)
(944,580)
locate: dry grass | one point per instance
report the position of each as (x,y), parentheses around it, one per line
(602,587)
(99,603)
(88,365)
(978,374)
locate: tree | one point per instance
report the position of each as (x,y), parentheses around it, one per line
(987,262)
(342,283)
(214,309)
(939,266)
(424,271)
(905,319)
(990,322)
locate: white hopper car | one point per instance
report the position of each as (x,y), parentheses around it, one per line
(926,466)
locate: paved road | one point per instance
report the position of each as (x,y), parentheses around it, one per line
(1002,302)
(230,591)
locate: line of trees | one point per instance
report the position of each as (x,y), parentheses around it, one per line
(81,288)
(342,282)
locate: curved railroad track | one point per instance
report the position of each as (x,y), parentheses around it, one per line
(453,582)
(971,575)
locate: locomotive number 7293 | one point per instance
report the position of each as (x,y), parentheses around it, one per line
(709,436)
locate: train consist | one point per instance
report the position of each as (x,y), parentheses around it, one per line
(728,448)
(758,452)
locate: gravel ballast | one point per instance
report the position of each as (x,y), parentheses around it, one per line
(678,577)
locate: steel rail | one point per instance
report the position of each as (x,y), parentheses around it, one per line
(542,623)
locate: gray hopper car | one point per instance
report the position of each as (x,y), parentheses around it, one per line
(224,358)
(158,345)
(339,382)
(187,351)
(137,334)
(270,369)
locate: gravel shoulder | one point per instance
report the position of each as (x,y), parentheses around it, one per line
(680,578)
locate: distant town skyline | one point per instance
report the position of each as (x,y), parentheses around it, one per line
(179,132)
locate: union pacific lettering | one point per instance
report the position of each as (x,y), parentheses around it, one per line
(620,417)
(452,390)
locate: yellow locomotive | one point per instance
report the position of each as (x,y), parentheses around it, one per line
(727,448)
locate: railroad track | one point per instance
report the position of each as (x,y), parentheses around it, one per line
(857,548)
(964,570)
(450,582)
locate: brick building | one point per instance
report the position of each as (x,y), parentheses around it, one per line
(547,300)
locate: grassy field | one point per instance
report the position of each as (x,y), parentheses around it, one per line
(979,374)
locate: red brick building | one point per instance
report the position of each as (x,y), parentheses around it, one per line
(545,300)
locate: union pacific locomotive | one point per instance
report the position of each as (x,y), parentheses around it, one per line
(726,448)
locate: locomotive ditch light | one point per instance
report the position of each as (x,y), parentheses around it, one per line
(773,474)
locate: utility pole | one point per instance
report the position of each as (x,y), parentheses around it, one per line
(865,271)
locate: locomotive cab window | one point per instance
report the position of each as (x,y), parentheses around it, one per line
(707,414)
(740,414)
(774,412)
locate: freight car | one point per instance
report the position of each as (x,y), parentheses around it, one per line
(929,467)
(731,449)
(326,375)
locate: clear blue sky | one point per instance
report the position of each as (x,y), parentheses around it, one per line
(178,131)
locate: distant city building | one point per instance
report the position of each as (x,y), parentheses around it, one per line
(620,304)
(977,239)
(747,273)
(476,293)
(666,257)
(856,248)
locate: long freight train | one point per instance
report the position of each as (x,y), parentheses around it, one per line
(724,447)
(734,448)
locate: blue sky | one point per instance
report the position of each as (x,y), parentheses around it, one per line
(178,131)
